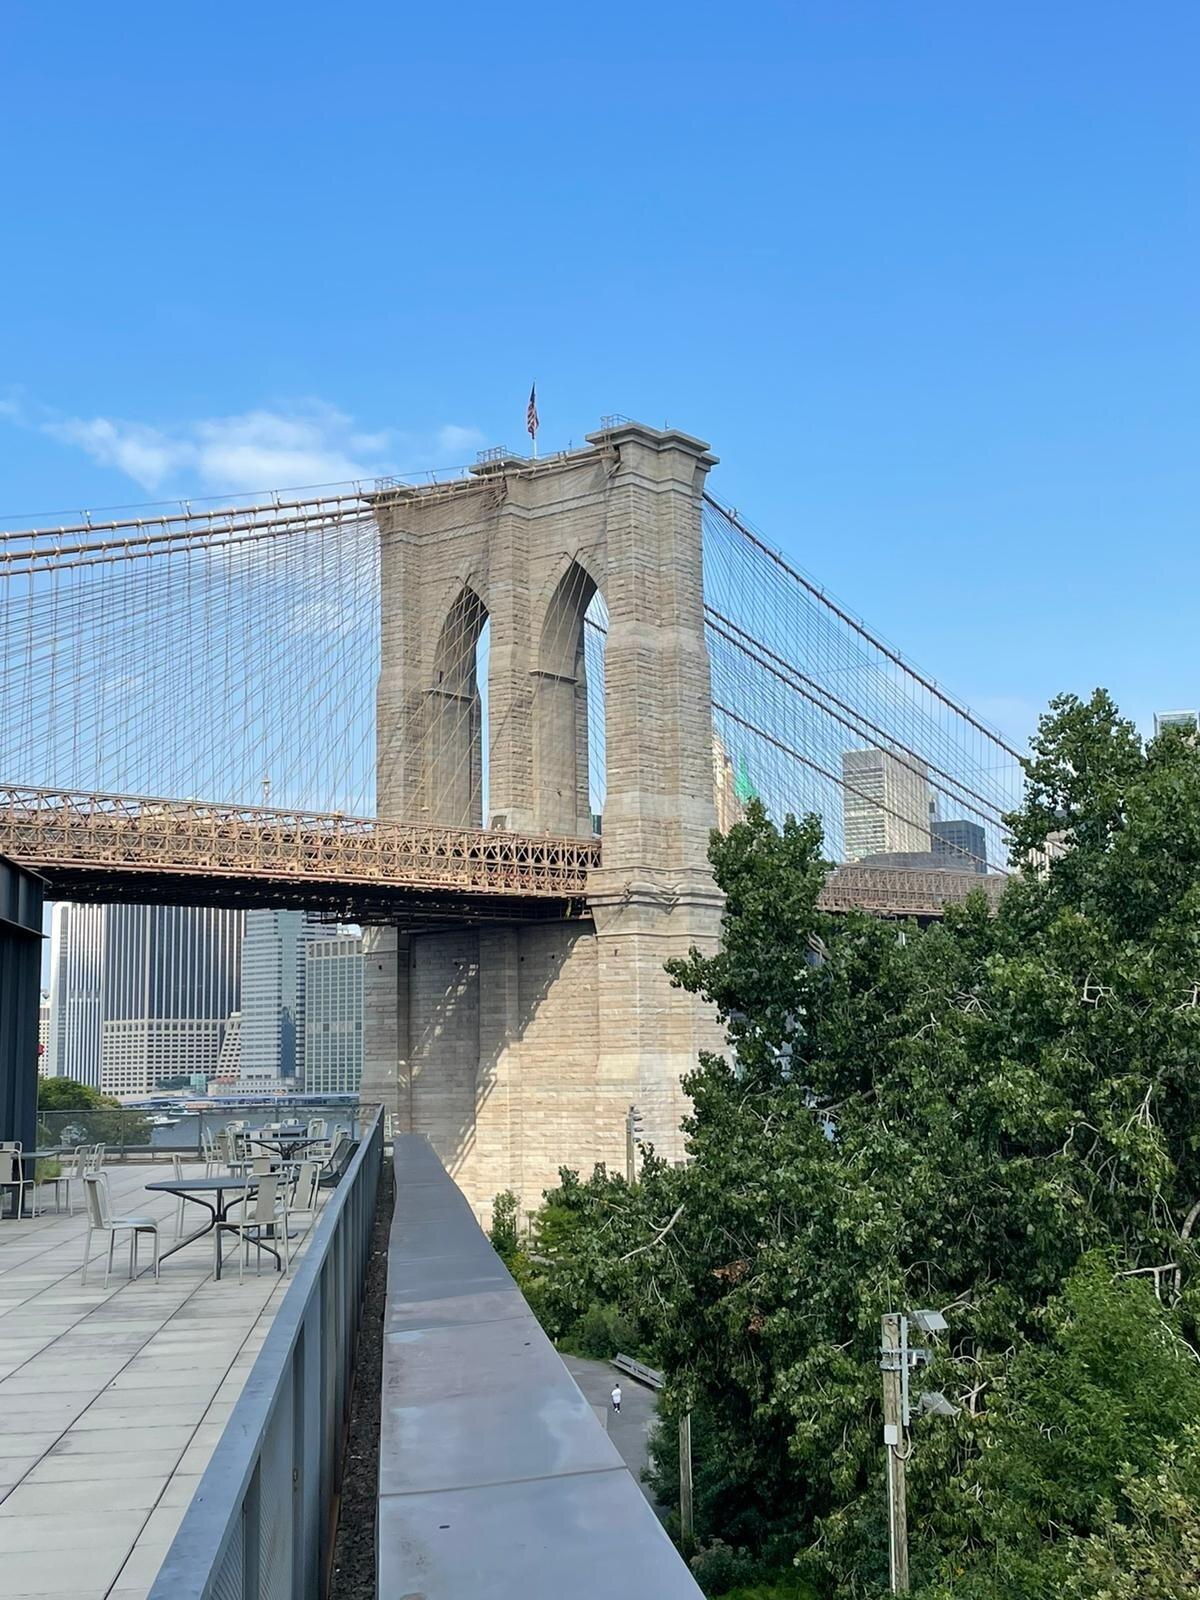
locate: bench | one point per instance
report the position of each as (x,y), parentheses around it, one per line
(638,1370)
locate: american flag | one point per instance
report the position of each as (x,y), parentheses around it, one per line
(531,416)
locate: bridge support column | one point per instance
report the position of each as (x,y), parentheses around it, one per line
(498,1111)
(387,1075)
(654,896)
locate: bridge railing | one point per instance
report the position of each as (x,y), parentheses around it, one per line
(906,891)
(261,1520)
(141,1132)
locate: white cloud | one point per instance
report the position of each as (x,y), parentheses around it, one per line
(313,443)
(141,453)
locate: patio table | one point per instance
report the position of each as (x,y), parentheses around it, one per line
(286,1142)
(195,1189)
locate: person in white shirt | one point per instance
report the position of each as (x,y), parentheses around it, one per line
(616,1396)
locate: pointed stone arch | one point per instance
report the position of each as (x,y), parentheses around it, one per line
(560,708)
(454,731)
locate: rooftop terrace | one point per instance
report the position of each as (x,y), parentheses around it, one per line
(112,1400)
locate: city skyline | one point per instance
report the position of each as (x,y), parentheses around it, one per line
(141,997)
(140,993)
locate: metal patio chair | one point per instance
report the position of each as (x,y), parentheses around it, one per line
(263,1216)
(101,1220)
(13,1179)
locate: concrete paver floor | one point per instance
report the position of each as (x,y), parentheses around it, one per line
(112,1400)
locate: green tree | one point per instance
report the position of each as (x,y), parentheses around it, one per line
(1086,1456)
(85,1116)
(1148,1541)
(503,1232)
(64,1094)
(954,1117)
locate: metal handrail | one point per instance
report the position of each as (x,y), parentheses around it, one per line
(260,1521)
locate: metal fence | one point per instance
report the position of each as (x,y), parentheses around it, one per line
(260,1526)
(127,1131)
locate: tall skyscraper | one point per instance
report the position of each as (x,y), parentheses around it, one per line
(333,1015)
(140,994)
(273,974)
(885,803)
(78,940)
(963,844)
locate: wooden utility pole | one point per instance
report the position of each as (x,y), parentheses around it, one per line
(891,1361)
(686,1528)
(632,1126)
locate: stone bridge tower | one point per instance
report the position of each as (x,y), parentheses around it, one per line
(517,1048)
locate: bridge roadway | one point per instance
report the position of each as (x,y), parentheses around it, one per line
(102,847)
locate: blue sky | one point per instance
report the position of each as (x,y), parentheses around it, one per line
(926,275)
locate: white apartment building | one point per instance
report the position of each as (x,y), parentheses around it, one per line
(885,804)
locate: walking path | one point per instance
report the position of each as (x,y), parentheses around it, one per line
(630,1431)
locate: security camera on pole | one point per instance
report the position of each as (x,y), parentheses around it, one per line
(897,1358)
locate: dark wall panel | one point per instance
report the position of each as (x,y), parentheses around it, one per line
(20,988)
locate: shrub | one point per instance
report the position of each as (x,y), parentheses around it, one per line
(718,1567)
(503,1232)
(604,1331)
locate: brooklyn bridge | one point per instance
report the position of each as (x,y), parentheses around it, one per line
(494,718)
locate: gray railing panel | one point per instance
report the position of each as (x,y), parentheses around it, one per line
(258,1526)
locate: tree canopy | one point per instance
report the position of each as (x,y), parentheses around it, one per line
(64,1094)
(998,1116)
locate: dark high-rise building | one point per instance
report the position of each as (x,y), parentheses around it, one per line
(272,1020)
(962,844)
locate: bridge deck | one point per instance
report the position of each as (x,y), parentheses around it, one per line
(187,852)
(124,847)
